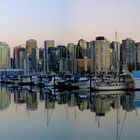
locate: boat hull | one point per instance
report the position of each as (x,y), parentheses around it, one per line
(109,88)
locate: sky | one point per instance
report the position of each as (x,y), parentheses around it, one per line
(68,21)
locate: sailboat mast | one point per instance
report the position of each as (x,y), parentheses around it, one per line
(117,52)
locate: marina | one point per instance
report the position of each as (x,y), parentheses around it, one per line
(71,82)
(69,70)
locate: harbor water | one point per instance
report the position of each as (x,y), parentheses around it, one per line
(38,114)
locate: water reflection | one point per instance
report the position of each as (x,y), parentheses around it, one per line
(100,104)
(4,99)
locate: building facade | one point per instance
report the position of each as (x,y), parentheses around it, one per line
(92,56)
(115,57)
(128,54)
(101,54)
(62,58)
(19,56)
(4,56)
(137,55)
(31,56)
(48,44)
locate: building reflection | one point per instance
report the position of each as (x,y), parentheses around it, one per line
(100,104)
(49,102)
(32,101)
(20,97)
(5,99)
(41,95)
(62,98)
(127,102)
(82,104)
(71,100)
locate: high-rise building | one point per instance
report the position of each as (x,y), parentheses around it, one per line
(128,54)
(4,56)
(61,52)
(19,56)
(137,55)
(53,64)
(81,49)
(62,57)
(48,44)
(115,56)
(101,52)
(32,56)
(35,60)
(41,66)
(30,44)
(83,44)
(71,52)
(92,56)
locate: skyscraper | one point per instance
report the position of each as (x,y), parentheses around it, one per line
(71,49)
(115,56)
(35,60)
(52,59)
(137,55)
(30,44)
(63,60)
(4,55)
(128,54)
(32,54)
(81,49)
(48,44)
(19,56)
(102,54)
(41,59)
(92,56)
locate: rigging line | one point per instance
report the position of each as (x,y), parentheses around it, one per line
(50,116)
(66,108)
(117,120)
(75,109)
(122,125)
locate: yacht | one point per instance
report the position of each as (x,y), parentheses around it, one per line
(108,85)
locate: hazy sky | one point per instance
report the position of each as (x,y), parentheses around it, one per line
(68,20)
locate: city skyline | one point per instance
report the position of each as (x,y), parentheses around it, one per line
(68,21)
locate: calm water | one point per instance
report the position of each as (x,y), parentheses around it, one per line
(32,114)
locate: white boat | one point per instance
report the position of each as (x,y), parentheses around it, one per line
(108,86)
(114,92)
(35,80)
(24,80)
(83,83)
(53,81)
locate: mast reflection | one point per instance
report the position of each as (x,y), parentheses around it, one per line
(100,103)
